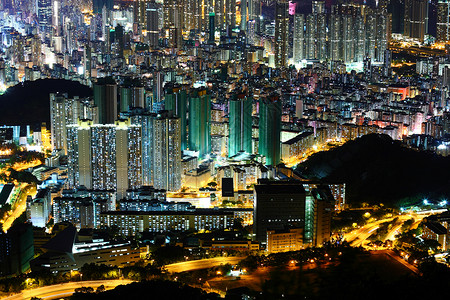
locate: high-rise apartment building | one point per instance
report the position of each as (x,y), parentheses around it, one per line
(443,21)
(416,17)
(270,128)
(281,33)
(140,117)
(167,152)
(152,27)
(105,156)
(65,111)
(299,38)
(240,120)
(200,122)
(176,100)
(105,98)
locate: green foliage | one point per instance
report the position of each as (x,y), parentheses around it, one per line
(154,289)
(168,254)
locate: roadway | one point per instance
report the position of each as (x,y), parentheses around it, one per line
(358,237)
(65,289)
(19,205)
(202,264)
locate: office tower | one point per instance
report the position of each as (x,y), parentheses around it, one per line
(212,28)
(278,206)
(240,120)
(152,24)
(443,21)
(16,249)
(299,38)
(105,98)
(176,101)
(200,122)
(270,128)
(416,15)
(56,22)
(44,16)
(281,33)
(167,152)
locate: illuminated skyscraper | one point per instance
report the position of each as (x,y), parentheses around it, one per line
(65,111)
(167,152)
(443,21)
(219,12)
(240,119)
(128,157)
(212,28)
(281,33)
(230,13)
(416,16)
(255,13)
(152,23)
(144,119)
(176,101)
(44,16)
(140,12)
(173,21)
(105,157)
(299,38)
(105,98)
(270,128)
(200,122)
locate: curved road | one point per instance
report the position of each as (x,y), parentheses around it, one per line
(202,264)
(359,236)
(65,289)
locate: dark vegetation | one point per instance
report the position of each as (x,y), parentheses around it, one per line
(378,169)
(155,289)
(29,102)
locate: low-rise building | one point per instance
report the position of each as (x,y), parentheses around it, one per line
(284,240)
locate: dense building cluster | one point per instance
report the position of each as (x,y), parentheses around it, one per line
(200,108)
